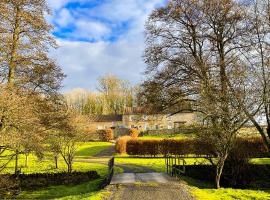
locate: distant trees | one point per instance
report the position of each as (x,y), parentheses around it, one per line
(113,96)
(196,56)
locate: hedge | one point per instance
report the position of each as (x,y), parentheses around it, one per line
(121,144)
(39,180)
(252,147)
(106,135)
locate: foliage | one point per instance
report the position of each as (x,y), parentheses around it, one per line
(134,133)
(106,135)
(121,144)
(112,97)
(25,40)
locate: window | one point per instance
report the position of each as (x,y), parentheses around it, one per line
(145,117)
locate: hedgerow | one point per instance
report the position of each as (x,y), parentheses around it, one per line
(252,147)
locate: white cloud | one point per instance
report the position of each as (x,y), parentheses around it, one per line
(64,18)
(90,29)
(56,4)
(84,62)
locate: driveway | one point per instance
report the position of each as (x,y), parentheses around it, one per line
(147,186)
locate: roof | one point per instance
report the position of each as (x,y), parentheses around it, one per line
(105,118)
(144,111)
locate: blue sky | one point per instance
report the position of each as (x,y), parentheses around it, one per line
(99,37)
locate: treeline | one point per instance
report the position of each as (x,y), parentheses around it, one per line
(112,97)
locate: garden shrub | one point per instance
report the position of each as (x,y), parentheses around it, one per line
(134,133)
(243,148)
(143,147)
(121,144)
(106,135)
(29,181)
(13,184)
(8,185)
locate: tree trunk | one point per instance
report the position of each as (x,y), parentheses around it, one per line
(26,160)
(268,131)
(219,169)
(56,161)
(15,39)
(16,162)
(69,168)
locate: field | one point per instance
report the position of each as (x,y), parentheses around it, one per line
(85,190)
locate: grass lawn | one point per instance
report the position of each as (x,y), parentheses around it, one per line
(230,194)
(166,136)
(85,150)
(88,190)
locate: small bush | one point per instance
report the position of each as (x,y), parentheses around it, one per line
(134,133)
(106,135)
(9,185)
(121,144)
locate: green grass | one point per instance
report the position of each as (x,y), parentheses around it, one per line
(156,164)
(230,194)
(166,136)
(47,165)
(260,161)
(88,190)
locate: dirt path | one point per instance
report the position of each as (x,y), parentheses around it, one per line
(106,152)
(147,186)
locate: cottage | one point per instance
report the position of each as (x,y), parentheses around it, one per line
(136,118)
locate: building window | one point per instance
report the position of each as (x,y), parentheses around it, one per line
(145,117)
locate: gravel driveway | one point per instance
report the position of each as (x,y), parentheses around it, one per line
(147,186)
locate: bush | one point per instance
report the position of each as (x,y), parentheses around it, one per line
(106,135)
(12,185)
(9,185)
(143,147)
(243,148)
(134,133)
(121,144)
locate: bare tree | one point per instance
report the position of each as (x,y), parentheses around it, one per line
(25,40)
(193,49)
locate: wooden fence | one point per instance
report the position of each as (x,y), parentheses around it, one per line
(175,165)
(108,178)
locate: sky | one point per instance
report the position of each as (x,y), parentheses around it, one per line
(100,37)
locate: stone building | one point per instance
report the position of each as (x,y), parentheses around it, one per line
(136,118)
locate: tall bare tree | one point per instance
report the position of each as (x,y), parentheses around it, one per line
(193,49)
(30,103)
(25,40)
